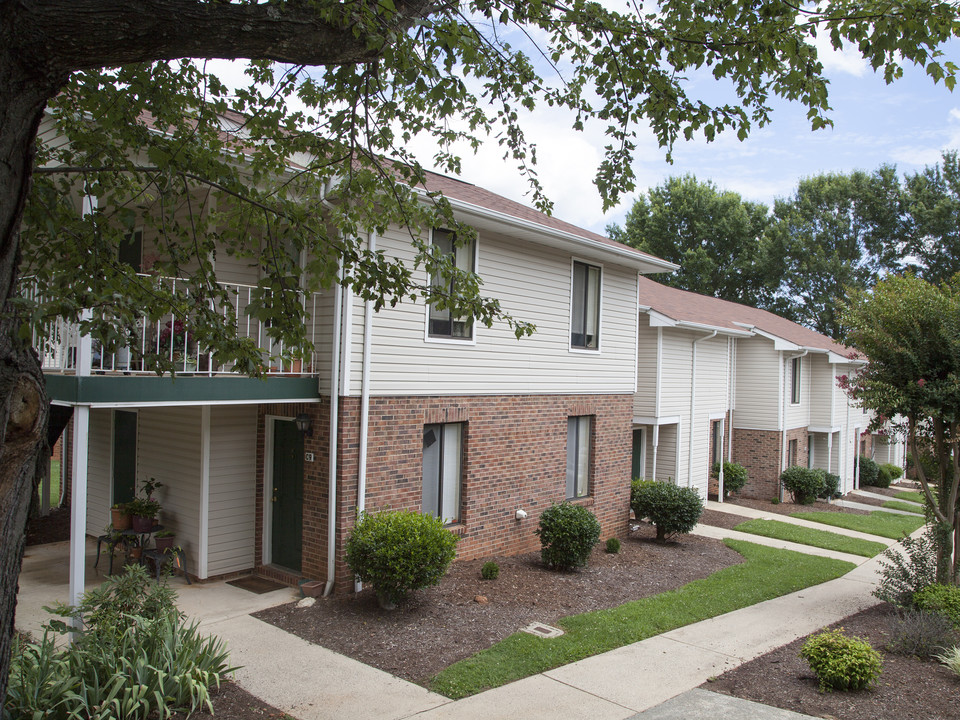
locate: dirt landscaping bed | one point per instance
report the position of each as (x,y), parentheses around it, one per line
(907,688)
(438,626)
(786,507)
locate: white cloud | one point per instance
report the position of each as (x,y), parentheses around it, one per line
(846,60)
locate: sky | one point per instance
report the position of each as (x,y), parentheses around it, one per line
(907,124)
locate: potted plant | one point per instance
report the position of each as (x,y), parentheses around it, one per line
(134,551)
(119,517)
(143,512)
(164,540)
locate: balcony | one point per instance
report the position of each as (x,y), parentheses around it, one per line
(73,371)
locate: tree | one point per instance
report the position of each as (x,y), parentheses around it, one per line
(910,330)
(384,72)
(932,199)
(837,232)
(715,236)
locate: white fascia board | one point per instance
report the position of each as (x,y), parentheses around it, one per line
(553,237)
(835,359)
(660,320)
(823,429)
(648,420)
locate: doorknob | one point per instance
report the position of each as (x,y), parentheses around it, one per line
(274,495)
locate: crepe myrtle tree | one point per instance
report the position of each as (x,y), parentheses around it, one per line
(315,156)
(910,331)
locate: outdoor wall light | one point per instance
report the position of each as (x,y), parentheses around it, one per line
(304,424)
(521,514)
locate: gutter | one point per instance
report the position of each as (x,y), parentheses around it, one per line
(334,433)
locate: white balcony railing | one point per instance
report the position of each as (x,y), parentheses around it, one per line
(59,341)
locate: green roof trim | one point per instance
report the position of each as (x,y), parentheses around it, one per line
(187,389)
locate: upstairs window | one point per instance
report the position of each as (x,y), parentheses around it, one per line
(795,381)
(442,322)
(585,307)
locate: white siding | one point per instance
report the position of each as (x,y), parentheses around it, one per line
(666,454)
(99,471)
(798,415)
(676,372)
(757,384)
(645,399)
(711,400)
(821,391)
(233,455)
(169,450)
(531,285)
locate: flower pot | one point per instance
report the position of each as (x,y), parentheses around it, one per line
(142,524)
(135,553)
(164,543)
(120,519)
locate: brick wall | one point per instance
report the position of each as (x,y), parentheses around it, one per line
(759,452)
(514,456)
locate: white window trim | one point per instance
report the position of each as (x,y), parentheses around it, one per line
(461,342)
(590,449)
(569,329)
(796,377)
(458,520)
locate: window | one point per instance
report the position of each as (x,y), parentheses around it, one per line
(443,323)
(792,453)
(585,307)
(131,250)
(442,469)
(795,381)
(578,456)
(716,442)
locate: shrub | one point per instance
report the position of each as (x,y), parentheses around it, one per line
(670,508)
(150,664)
(841,662)
(870,473)
(567,533)
(399,551)
(883,477)
(831,486)
(921,633)
(895,472)
(805,484)
(951,660)
(734,476)
(490,571)
(902,575)
(613,546)
(944,599)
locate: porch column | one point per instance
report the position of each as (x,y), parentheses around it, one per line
(78,503)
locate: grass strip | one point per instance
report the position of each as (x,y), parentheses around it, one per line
(907,506)
(766,573)
(911,495)
(878,522)
(809,536)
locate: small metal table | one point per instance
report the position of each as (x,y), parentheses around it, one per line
(113,539)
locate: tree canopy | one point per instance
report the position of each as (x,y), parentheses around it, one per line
(337,91)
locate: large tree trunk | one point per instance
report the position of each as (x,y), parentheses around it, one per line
(23,401)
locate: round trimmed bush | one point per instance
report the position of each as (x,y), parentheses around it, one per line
(399,551)
(490,571)
(805,484)
(567,533)
(841,662)
(613,546)
(734,476)
(870,473)
(831,486)
(895,472)
(672,509)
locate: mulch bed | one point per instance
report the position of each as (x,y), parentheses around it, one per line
(464,614)
(908,687)
(232,702)
(786,507)
(725,520)
(54,527)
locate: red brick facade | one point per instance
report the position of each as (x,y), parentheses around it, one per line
(514,456)
(760,452)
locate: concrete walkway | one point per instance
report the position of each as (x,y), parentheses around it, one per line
(881,496)
(312,683)
(854,505)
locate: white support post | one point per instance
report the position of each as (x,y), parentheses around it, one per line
(78,503)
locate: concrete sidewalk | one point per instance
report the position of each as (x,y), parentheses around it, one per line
(312,683)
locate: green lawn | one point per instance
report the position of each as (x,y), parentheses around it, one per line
(878,522)
(809,536)
(54,483)
(766,573)
(912,495)
(909,507)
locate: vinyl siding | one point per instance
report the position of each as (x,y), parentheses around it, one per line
(757,384)
(711,399)
(798,415)
(169,450)
(821,391)
(666,454)
(645,399)
(99,471)
(531,286)
(233,456)
(675,373)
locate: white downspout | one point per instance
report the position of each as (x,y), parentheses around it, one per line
(365,400)
(656,405)
(334,432)
(733,396)
(693,403)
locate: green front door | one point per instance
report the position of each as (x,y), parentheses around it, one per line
(124,456)
(287,495)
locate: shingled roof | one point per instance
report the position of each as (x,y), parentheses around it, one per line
(682,306)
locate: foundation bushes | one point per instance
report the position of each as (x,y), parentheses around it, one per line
(805,484)
(870,475)
(831,486)
(399,551)
(841,662)
(894,472)
(672,509)
(734,476)
(567,534)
